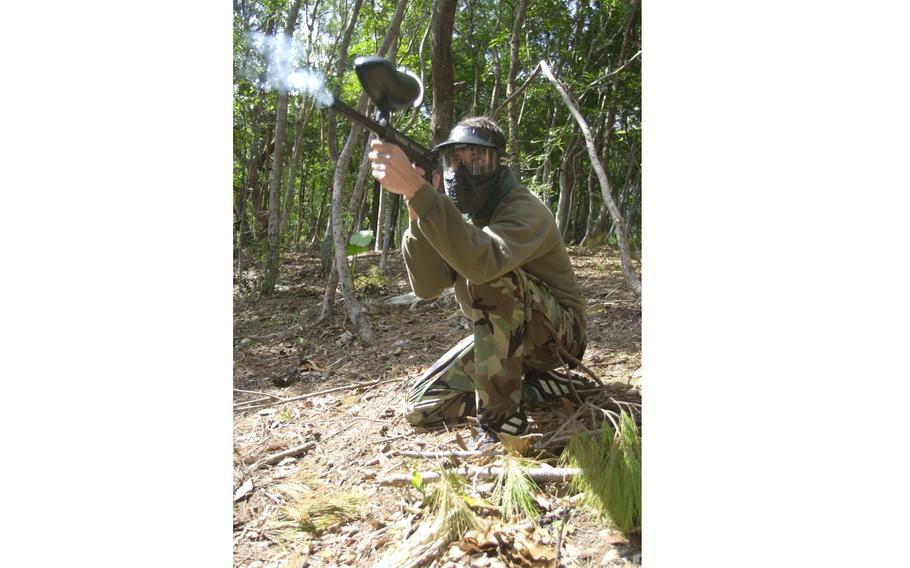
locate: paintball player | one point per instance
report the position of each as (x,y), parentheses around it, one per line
(500,248)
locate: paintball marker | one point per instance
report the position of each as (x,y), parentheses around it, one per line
(390,90)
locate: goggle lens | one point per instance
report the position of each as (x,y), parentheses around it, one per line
(480,160)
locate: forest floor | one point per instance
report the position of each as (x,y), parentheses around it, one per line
(350,438)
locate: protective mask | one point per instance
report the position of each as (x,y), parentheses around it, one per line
(470,192)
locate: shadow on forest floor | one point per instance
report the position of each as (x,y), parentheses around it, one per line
(350,436)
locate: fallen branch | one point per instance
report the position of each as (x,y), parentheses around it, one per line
(573,419)
(255,400)
(275,458)
(473,472)
(434,455)
(322,392)
(565,353)
(257,392)
(562,526)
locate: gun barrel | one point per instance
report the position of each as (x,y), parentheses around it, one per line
(414,150)
(341,107)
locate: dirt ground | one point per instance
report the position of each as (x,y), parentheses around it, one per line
(349,439)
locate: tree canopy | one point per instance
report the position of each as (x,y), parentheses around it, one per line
(286,144)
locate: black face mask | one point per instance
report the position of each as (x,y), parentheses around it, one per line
(470,192)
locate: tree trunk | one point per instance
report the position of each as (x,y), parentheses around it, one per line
(300,208)
(327,239)
(300,125)
(319,215)
(388,229)
(355,312)
(380,219)
(589,221)
(602,220)
(272,261)
(475,49)
(442,70)
(250,184)
(514,64)
(339,73)
(374,211)
(356,204)
(632,279)
(566,184)
(497,64)
(260,198)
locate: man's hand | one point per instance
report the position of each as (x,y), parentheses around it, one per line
(423,174)
(391,168)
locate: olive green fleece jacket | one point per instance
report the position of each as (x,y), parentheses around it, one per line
(441,248)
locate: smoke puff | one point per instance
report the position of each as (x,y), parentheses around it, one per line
(278,68)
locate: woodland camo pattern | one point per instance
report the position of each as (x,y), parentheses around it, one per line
(482,375)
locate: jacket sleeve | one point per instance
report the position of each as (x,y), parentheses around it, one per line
(428,273)
(518,233)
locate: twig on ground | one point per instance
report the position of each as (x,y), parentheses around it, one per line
(275,458)
(580,365)
(609,414)
(435,455)
(256,392)
(619,402)
(254,401)
(537,474)
(322,392)
(559,536)
(398,437)
(565,353)
(595,390)
(573,418)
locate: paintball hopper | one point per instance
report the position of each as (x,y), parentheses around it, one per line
(390,89)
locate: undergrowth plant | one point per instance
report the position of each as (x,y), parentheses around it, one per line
(448,501)
(514,490)
(447,517)
(372,283)
(312,506)
(610,464)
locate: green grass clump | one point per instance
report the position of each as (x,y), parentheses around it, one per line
(515,490)
(448,517)
(311,506)
(371,283)
(610,463)
(448,503)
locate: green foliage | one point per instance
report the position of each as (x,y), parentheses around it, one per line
(611,472)
(310,505)
(372,283)
(448,501)
(417,480)
(360,242)
(515,490)
(581,40)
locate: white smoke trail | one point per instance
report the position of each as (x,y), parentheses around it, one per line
(280,55)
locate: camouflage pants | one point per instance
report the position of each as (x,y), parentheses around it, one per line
(514,320)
